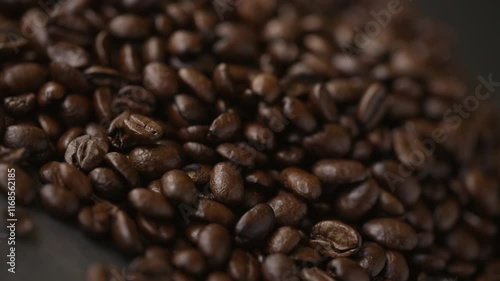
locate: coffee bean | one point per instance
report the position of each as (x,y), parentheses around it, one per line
(155,230)
(68,76)
(34,139)
(283,240)
(214,212)
(101,272)
(154,161)
(184,42)
(107,184)
(482,190)
(95,220)
(463,244)
(288,209)
(160,79)
(298,114)
(178,186)
(68,53)
(332,141)
(267,86)
(19,105)
(225,126)
(372,258)
(200,152)
(302,183)
(58,201)
(279,267)
(125,235)
(339,171)
(314,274)
(396,266)
(129,26)
(243,266)
(200,174)
(357,202)
(256,223)
(347,270)
(86,152)
(201,86)
(150,204)
(23,77)
(335,239)
(190,260)
(24,185)
(240,154)
(186,110)
(76,110)
(67,176)
(391,233)
(373,106)
(215,242)
(226,183)
(122,165)
(323,103)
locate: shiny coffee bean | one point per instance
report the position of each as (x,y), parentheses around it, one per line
(391,233)
(86,152)
(339,171)
(256,223)
(58,201)
(335,239)
(226,183)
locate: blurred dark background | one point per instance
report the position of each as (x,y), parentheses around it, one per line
(59,252)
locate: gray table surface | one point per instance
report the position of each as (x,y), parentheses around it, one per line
(59,252)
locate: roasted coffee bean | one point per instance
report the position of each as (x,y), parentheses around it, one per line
(279,267)
(420,217)
(68,136)
(243,266)
(372,258)
(391,233)
(67,176)
(482,190)
(95,220)
(290,156)
(240,153)
(357,202)
(122,165)
(155,230)
(108,184)
(410,150)
(256,223)
(463,244)
(50,125)
(129,26)
(70,77)
(200,174)
(186,110)
(335,239)
(68,53)
(153,50)
(125,235)
(323,103)
(201,86)
(388,174)
(373,106)
(76,110)
(190,260)
(14,179)
(226,183)
(213,211)
(346,270)
(283,240)
(160,79)
(23,77)
(19,105)
(446,214)
(58,201)
(154,161)
(86,152)
(314,274)
(332,141)
(225,126)
(215,242)
(267,86)
(150,203)
(200,152)
(34,139)
(302,183)
(298,114)
(288,209)
(339,171)
(396,266)
(178,186)
(101,272)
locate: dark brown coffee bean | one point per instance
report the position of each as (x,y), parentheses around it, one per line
(184,42)
(420,217)
(160,79)
(391,233)
(314,274)
(155,230)
(214,212)
(288,209)
(357,202)
(178,186)
(34,139)
(225,126)
(290,156)
(283,240)
(302,183)
(256,223)
(267,86)
(190,260)
(67,176)
(154,161)
(58,201)
(70,77)
(102,272)
(215,242)
(335,239)
(95,220)
(323,103)
(150,203)
(298,114)
(73,55)
(226,183)
(153,50)
(68,136)
(410,150)
(50,93)
(125,235)
(447,214)
(19,105)
(50,125)
(76,110)
(388,174)
(200,85)
(129,26)
(108,184)
(428,262)
(15,181)
(123,166)
(279,267)
(243,266)
(373,106)
(23,77)
(187,110)
(200,152)
(332,141)
(200,174)
(372,258)
(142,128)
(241,154)
(483,191)
(86,152)
(396,266)
(339,171)
(463,244)
(346,270)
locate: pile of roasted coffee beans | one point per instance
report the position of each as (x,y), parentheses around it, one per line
(252,139)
